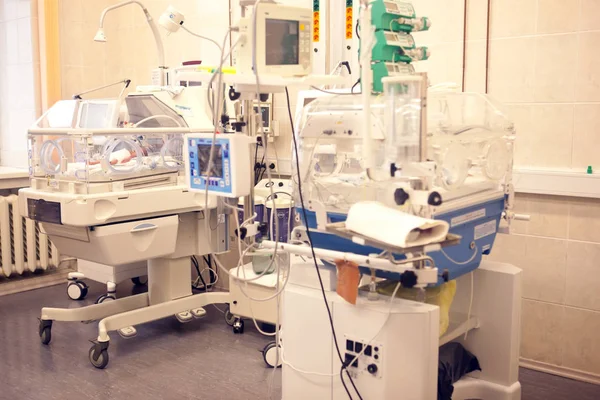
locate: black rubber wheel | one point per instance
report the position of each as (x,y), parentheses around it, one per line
(105,297)
(77,290)
(229,317)
(140,280)
(46,335)
(238,326)
(45,331)
(102,361)
(270,355)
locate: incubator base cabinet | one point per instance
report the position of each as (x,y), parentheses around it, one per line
(168,242)
(402,361)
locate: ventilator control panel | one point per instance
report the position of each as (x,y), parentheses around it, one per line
(221,165)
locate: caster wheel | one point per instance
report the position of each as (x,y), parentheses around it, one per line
(45,331)
(229,317)
(270,356)
(105,297)
(98,358)
(77,290)
(140,280)
(238,326)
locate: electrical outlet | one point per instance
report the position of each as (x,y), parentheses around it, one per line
(272,165)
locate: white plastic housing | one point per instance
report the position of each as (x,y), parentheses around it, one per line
(272,20)
(171,19)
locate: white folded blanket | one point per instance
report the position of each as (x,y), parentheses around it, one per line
(396,228)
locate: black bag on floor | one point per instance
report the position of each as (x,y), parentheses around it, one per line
(454,362)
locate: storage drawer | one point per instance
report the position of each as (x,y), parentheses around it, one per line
(118,244)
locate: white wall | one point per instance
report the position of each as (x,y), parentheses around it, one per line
(19,69)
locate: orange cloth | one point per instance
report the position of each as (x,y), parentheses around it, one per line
(348,277)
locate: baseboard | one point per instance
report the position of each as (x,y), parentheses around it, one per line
(560,371)
(32,281)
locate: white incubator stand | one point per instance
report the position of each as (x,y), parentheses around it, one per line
(117,197)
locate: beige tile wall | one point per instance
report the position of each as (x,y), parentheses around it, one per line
(84,64)
(130,50)
(559,252)
(544,67)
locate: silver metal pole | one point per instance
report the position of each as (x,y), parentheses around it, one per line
(250,130)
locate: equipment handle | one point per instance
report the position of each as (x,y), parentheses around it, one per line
(143,228)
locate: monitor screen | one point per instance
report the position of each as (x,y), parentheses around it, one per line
(204,156)
(391,6)
(282,45)
(95,115)
(266,118)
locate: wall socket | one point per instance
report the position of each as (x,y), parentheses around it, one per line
(272,165)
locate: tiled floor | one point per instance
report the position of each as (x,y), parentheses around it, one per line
(167,360)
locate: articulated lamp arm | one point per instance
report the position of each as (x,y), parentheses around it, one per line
(101,37)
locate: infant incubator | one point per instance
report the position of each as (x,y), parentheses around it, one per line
(448,157)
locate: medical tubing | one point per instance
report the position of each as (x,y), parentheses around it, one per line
(214,137)
(461,262)
(201,37)
(470,304)
(153,117)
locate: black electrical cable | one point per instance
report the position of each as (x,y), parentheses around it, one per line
(354,86)
(314,256)
(256,154)
(259,169)
(211,273)
(197,266)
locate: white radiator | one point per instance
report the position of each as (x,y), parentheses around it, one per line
(23,247)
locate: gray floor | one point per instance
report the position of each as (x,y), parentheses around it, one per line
(167,360)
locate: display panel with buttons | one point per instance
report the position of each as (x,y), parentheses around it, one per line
(228,167)
(287,42)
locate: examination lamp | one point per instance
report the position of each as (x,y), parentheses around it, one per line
(172,20)
(157,76)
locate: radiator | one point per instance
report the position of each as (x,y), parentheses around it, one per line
(23,247)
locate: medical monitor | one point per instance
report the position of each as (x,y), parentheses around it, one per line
(98,114)
(283,41)
(265,115)
(228,173)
